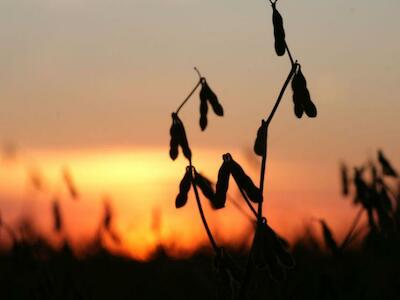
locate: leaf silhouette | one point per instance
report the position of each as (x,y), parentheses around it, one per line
(184,188)
(279,32)
(261,139)
(387,168)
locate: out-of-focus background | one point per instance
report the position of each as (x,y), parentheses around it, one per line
(88,87)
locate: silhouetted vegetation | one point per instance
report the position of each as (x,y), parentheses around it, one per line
(365,265)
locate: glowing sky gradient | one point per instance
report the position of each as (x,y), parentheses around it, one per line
(91,84)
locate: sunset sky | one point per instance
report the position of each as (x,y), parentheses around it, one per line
(90,84)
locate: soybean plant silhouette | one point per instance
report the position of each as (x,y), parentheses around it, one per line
(268,252)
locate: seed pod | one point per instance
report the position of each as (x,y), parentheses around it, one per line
(328,238)
(301,96)
(174,143)
(297,87)
(73,191)
(261,140)
(184,188)
(206,188)
(245,182)
(223,182)
(344,179)
(387,168)
(309,107)
(203,114)
(178,133)
(206,94)
(279,32)
(107,214)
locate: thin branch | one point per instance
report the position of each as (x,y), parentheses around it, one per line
(202,215)
(188,97)
(289,54)
(248,202)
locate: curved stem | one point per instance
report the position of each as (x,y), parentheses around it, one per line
(198,73)
(202,215)
(188,97)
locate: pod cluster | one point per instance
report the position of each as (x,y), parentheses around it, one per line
(178,138)
(203,183)
(244,182)
(279,31)
(207,96)
(270,252)
(301,96)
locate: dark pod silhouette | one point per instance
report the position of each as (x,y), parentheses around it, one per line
(245,183)
(184,188)
(57,219)
(261,140)
(178,138)
(206,188)
(345,179)
(208,96)
(301,96)
(279,31)
(387,168)
(174,142)
(223,182)
(203,114)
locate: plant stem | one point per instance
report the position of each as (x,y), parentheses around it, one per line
(248,202)
(267,123)
(289,54)
(202,215)
(188,97)
(249,266)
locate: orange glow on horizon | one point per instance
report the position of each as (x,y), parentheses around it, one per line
(142,184)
